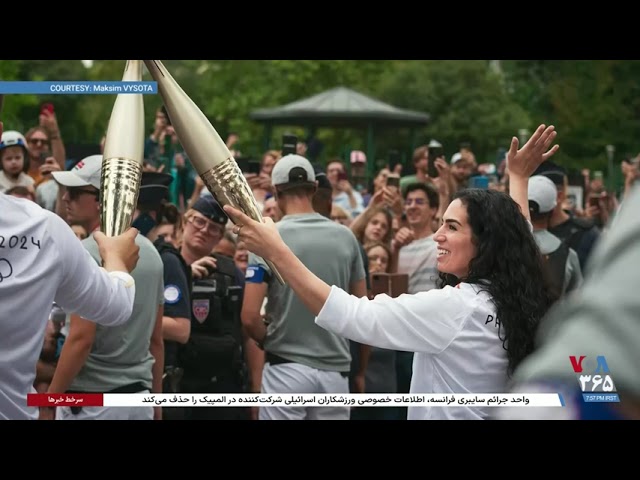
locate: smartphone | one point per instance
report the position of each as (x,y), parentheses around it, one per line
(248,166)
(289,143)
(343,176)
(392,284)
(434,153)
(393,181)
(243,164)
(479,181)
(254,167)
(594,200)
(47,108)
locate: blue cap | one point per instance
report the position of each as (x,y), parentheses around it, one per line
(211,209)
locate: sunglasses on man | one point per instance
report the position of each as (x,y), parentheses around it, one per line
(74,193)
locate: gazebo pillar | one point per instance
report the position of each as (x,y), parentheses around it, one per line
(371,152)
(266,139)
(413,135)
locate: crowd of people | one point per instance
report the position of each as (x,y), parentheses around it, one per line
(439,281)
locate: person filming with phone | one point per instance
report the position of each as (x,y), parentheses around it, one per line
(431,167)
(47,154)
(420,165)
(46,151)
(344,194)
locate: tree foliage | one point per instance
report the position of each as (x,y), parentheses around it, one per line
(592,103)
(467,102)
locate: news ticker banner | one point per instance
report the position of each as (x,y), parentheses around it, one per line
(78,88)
(301,400)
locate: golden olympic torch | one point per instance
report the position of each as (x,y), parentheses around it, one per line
(206,150)
(122,157)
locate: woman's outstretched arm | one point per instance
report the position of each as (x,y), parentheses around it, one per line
(426,322)
(264,240)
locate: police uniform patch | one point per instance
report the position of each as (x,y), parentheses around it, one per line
(172,294)
(201,309)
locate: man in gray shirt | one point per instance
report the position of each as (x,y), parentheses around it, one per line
(301,357)
(563,261)
(124,359)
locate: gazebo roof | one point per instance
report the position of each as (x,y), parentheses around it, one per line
(339,106)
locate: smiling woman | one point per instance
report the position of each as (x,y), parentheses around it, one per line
(471,333)
(455,241)
(485,241)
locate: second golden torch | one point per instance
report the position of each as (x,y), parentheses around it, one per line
(206,150)
(122,157)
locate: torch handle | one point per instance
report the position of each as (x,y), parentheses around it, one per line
(228,186)
(275,272)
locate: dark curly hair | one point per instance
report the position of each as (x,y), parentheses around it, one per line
(509,266)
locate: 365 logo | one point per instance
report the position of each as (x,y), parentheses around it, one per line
(594,377)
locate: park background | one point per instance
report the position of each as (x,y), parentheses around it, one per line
(594,104)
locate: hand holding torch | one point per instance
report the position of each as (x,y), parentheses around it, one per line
(205,148)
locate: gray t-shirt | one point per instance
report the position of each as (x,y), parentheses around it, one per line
(120,355)
(46,194)
(330,251)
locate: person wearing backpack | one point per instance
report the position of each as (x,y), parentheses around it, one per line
(563,265)
(579,233)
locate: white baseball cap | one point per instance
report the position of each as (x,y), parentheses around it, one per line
(86,172)
(292,171)
(455,158)
(543,192)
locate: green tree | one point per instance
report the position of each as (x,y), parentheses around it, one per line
(467,102)
(593,103)
(15,105)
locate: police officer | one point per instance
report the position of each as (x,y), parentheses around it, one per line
(213,358)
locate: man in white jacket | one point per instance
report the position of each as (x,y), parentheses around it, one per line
(42,261)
